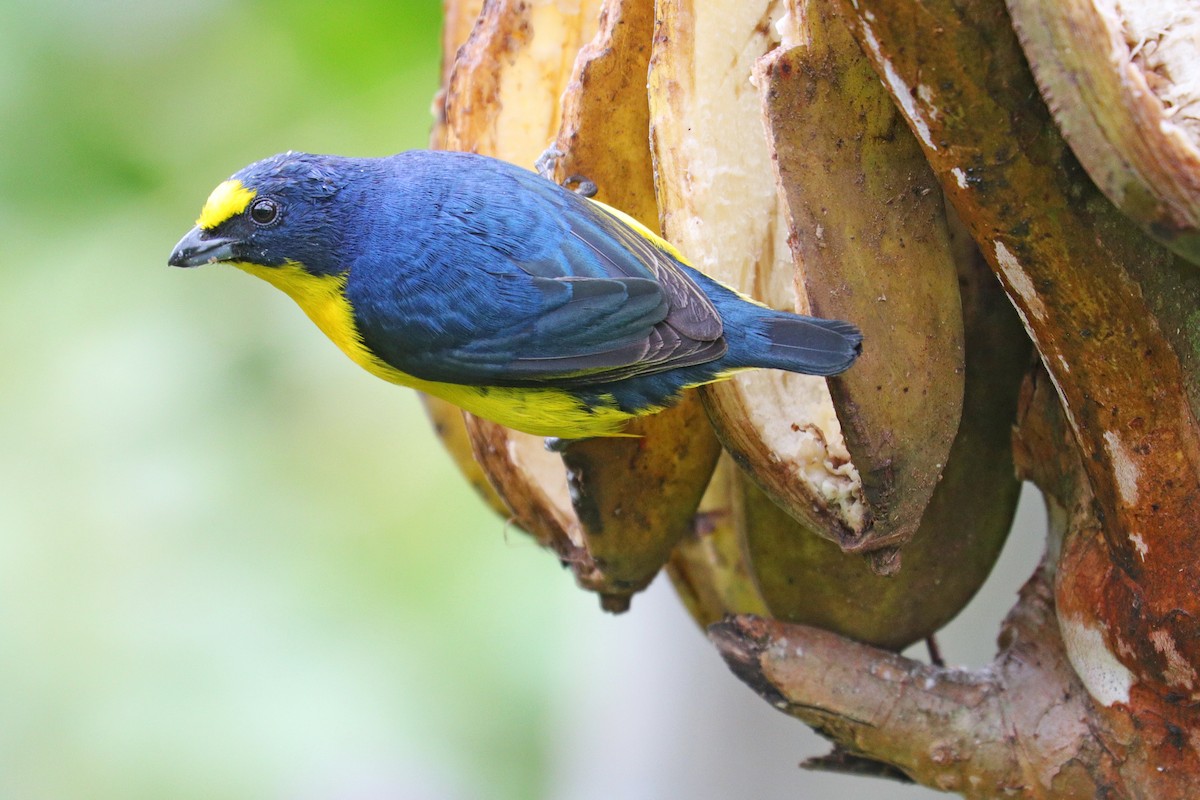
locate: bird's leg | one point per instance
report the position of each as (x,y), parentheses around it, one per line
(546,163)
(559,444)
(935,652)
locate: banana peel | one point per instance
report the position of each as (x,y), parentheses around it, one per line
(605,130)
(867,229)
(531,482)
(458,20)
(636,498)
(857,211)
(612,509)
(516,58)
(1122,81)
(807,579)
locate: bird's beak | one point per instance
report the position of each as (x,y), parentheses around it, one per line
(196,249)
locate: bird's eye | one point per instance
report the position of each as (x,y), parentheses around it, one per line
(264,211)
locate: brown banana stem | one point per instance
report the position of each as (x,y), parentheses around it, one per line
(1092,291)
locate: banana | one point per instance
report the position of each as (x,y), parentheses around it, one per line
(1123,83)
(867,230)
(451,429)
(635,497)
(497,98)
(861,470)
(805,578)
(532,483)
(458,19)
(605,129)
(708,567)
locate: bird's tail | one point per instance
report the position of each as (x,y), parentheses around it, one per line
(801,344)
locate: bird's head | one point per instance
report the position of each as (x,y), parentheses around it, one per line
(279,214)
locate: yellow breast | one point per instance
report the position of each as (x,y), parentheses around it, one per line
(544,412)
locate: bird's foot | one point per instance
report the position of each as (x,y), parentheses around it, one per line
(546,164)
(547,161)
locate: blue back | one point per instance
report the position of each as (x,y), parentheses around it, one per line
(482,273)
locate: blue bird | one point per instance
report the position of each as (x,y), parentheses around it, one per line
(496,289)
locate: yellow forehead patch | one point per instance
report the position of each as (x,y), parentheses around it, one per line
(226,201)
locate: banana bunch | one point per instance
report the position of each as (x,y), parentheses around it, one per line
(771,155)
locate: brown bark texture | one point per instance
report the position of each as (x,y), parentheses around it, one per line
(1005,198)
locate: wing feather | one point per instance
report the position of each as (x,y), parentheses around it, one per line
(526,283)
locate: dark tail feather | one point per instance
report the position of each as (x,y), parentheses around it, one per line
(808,345)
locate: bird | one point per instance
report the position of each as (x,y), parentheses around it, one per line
(497,289)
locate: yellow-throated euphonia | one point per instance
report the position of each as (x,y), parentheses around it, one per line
(497,289)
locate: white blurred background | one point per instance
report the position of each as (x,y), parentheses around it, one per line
(234,565)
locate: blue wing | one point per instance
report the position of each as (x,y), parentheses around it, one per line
(487,274)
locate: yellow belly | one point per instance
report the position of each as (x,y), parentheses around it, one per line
(543,412)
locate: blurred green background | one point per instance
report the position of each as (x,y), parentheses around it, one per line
(232,564)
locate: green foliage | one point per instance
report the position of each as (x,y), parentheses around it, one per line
(231,564)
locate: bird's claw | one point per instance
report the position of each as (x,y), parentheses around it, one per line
(545,166)
(583,186)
